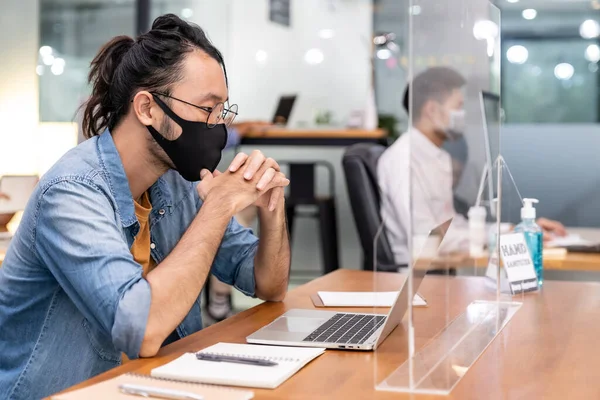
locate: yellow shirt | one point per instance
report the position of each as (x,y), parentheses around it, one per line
(141,245)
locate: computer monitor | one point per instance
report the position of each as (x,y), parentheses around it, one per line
(491,115)
(284,109)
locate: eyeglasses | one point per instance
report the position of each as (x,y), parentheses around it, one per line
(216,115)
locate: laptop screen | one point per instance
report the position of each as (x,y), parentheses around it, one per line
(284,110)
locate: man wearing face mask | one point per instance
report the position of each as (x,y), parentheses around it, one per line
(417,165)
(119,237)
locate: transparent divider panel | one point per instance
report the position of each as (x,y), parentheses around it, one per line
(440,174)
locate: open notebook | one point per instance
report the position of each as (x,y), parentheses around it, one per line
(110,389)
(289,361)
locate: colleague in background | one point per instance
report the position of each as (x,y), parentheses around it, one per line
(119,237)
(417,167)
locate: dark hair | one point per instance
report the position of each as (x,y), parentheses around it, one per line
(435,83)
(151,62)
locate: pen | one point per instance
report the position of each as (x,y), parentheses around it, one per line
(147,391)
(235,359)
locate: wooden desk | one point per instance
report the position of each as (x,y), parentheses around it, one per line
(274,136)
(547,351)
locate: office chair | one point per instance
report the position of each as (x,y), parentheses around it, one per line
(360,170)
(301,193)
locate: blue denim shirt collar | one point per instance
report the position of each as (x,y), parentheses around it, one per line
(119,185)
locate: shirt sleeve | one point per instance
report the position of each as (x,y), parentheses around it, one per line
(393,180)
(81,241)
(234,262)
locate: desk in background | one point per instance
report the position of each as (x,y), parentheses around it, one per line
(313,137)
(547,351)
(303,177)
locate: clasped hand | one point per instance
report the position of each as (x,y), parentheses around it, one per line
(250,179)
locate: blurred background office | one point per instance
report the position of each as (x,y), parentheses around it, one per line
(347,62)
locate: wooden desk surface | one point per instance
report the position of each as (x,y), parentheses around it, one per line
(277,132)
(547,351)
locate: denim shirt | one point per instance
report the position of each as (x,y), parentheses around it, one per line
(72,298)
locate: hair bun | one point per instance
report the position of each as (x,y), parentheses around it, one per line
(169,22)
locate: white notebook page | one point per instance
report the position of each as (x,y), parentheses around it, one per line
(289,359)
(364,299)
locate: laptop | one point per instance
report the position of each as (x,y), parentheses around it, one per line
(284,110)
(345,330)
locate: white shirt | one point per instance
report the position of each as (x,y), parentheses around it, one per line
(414,162)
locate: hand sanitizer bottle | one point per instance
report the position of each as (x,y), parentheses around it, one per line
(533,235)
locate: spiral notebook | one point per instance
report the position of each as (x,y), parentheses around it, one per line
(110,389)
(289,361)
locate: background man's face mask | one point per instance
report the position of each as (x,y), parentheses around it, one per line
(455,127)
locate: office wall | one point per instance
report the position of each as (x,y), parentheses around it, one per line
(339,84)
(18,85)
(559,165)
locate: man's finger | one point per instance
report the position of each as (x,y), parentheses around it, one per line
(216,173)
(266,178)
(238,161)
(273,164)
(276,194)
(253,164)
(280,180)
(204,173)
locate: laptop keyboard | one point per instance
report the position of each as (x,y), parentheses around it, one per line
(346,329)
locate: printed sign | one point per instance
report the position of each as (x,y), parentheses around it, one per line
(518,263)
(279,12)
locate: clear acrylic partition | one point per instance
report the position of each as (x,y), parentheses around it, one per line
(440,179)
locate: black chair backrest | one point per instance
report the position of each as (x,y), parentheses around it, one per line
(360,170)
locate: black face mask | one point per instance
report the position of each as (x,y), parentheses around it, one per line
(198,147)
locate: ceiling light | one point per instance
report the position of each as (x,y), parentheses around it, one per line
(485,29)
(45,51)
(517,54)
(60,62)
(529,14)
(314,57)
(261,57)
(415,10)
(326,33)
(384,54)
(57,69)
(589,29)
(48,59)
(564,71)
(592,53)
